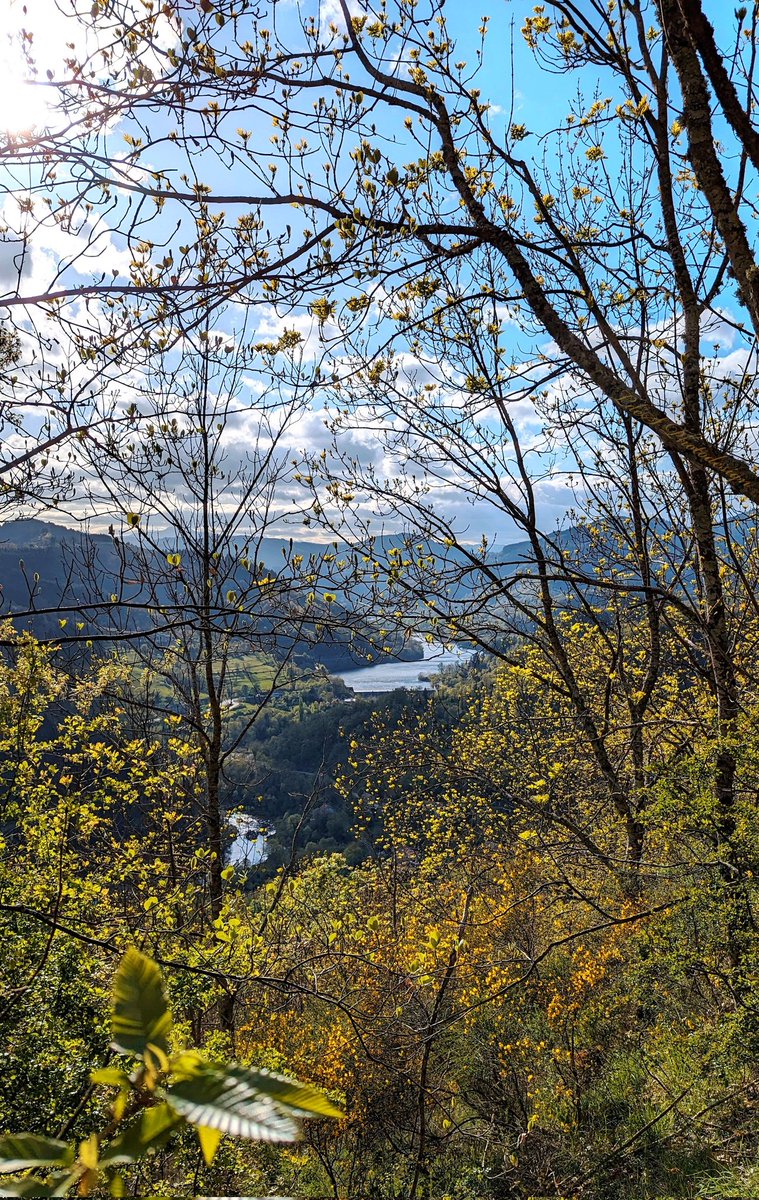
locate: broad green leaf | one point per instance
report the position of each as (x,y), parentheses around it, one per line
(149,1130)
(245,1103)
(187,1063)
(21,1150)
(140,1015)
(209,1142)
(110,1077)
(217,1098)
(300,1099)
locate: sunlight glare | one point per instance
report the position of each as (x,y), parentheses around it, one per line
(23,103)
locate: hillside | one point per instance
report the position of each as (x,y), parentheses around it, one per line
(51,573)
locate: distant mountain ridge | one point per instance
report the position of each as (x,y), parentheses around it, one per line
(31,533)
(32,547)
(52,576)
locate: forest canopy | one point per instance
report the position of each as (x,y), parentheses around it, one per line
(329,333)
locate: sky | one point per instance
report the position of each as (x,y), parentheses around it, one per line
(517,91)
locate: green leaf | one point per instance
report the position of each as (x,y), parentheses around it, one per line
(216,1099)
(246,1103)
(147,1131)
(21,1150)
(300,1099)
(140,1016)
(187,1064)
(209,1142)
(110,1077)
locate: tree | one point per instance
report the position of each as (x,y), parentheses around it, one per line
(163,1094)
(194,514)
(502,305)
(576,242)
(498,1013)
(472,197)
(436,257)
(211,613)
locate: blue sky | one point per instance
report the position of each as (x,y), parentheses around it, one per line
(510,80)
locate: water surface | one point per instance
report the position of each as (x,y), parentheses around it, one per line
(250,845)
(388,676)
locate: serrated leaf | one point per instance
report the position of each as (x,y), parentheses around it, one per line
(242,1102)
(18,1151)
(216,1098)
(149,1130)
(140,1014)
(300,1098)
(187,1063)
(209,1142)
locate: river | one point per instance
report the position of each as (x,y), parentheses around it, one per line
(249,847)
(388,676)
(251,835)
